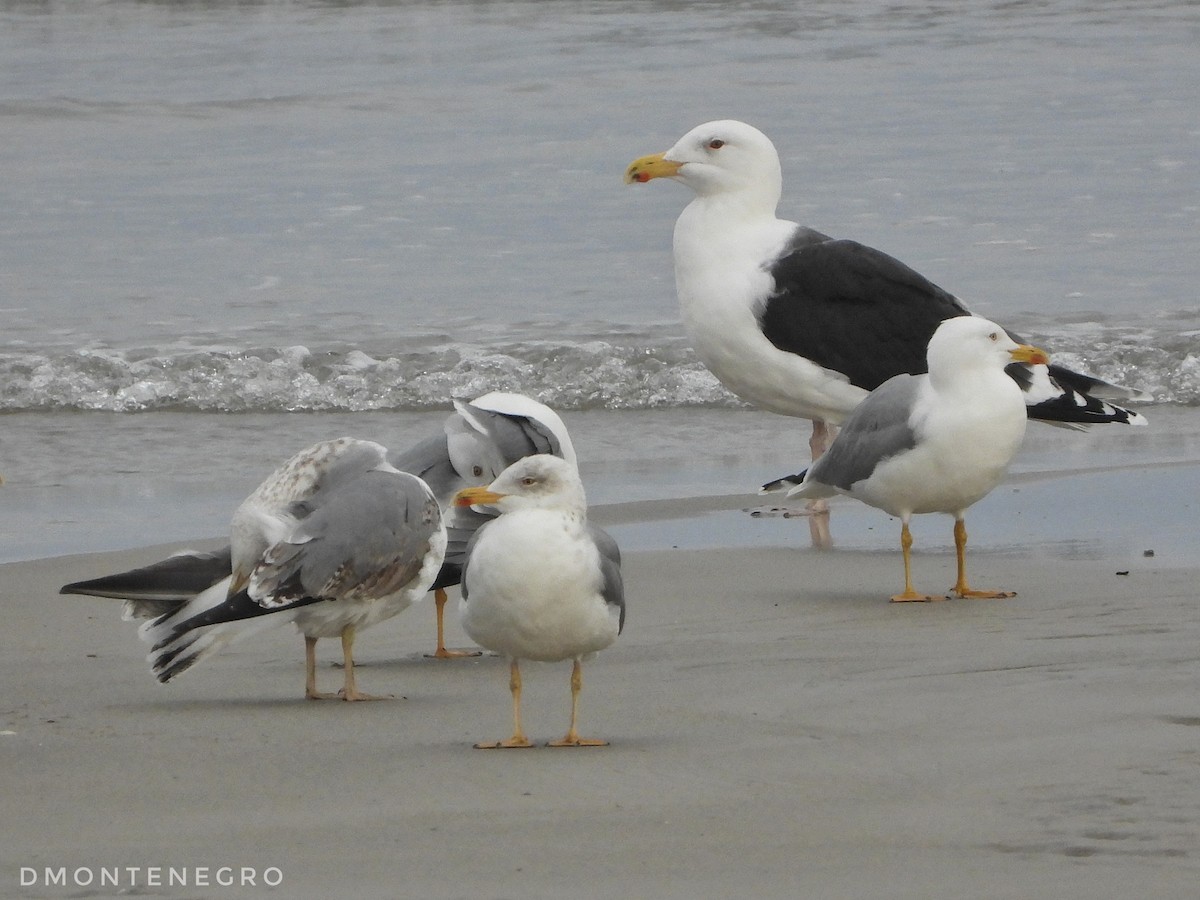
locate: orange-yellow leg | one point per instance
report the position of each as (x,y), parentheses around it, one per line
(351,691)
(518,739)
(439,602)
(909,595)
(310,672)
(572,738)
(961,589)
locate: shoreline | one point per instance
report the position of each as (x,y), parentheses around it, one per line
(176,478)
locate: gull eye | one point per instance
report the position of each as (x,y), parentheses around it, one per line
(477,471)
(993,336)
(529,481)
(716,144)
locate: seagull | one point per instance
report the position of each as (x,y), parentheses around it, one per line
(334,540)
(935,442)
(799,323)
(540,583)
(476,443)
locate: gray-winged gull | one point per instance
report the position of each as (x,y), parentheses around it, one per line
(334,540)
(798,323)
(540,582)
(477,442)
(935,442)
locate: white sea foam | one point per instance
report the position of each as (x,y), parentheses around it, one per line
(635,370)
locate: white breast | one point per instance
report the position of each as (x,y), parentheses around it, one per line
(722,281)
(533,587)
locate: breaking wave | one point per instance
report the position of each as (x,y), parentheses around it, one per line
(565,375)
(635,373)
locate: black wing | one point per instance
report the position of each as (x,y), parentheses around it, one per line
(853,309)
(856,310)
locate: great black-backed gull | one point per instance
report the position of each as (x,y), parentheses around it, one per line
(802,324)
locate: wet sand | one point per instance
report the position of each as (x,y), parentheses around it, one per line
(778,730)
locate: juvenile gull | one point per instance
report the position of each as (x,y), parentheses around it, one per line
(798,323)
(477,442)
(936,442)
(334,540)
(540,583)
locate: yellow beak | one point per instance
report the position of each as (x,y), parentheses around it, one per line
(644,168)
(1032,355)
(477,496)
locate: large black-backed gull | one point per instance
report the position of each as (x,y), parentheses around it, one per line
(799,323)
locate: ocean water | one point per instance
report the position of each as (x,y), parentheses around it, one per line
(232,228)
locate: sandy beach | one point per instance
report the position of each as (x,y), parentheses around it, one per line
(778,730)
(233,229)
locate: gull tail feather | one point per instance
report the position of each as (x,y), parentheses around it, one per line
(201,627)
